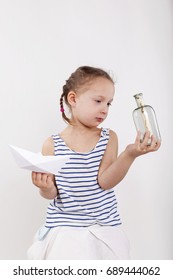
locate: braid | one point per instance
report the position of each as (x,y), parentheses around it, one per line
(64,96)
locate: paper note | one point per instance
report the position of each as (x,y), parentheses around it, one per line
(37,162)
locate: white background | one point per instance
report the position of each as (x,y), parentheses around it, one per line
(41,43)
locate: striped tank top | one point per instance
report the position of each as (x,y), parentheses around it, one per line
(81,202)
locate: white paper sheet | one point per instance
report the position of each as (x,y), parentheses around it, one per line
(37,162)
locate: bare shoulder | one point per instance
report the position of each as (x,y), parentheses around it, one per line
(112,146)
(48,147)
(113,137)
(111,152)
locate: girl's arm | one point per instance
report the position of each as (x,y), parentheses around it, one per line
(45,181)
(112,172)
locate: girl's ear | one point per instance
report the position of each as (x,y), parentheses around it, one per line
(71,97)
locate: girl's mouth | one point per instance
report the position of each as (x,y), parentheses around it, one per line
(99,119)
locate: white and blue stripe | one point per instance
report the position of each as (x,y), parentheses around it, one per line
(81,201)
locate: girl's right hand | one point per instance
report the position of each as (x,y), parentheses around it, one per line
(46,183)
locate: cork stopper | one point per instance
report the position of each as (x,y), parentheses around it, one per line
(139,99)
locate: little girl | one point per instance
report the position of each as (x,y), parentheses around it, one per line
(82,219)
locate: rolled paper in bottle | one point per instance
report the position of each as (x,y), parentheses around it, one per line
(146,120)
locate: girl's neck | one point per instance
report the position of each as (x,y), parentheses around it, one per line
(80,139)
(81,129)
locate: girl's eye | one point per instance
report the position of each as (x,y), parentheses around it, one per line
(98,101)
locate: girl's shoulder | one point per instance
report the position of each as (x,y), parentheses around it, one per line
(112,134)
(111,151)
(48,147)
(113,139)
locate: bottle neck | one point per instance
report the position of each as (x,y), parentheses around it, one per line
(139,100)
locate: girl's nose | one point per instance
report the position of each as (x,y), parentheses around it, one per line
(104,110)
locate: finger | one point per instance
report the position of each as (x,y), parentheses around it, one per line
(147,139)
(46,179)
(153,142)
(34,176)
(157,145)
(37,178)
(147,135)
(138,137)
(43,178)
(50,180)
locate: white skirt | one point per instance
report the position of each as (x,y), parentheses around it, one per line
(88,243)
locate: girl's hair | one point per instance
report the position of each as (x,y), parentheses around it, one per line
(82,76)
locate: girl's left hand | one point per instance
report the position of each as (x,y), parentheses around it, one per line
(140,148)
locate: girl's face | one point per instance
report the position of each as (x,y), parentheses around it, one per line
(92,105)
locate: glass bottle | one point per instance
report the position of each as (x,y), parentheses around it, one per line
(145,118)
